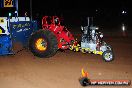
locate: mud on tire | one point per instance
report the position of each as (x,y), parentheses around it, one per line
(50,39)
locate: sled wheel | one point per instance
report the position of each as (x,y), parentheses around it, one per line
(84,81)
(43,43)
(108,55)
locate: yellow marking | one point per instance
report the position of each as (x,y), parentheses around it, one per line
(78,45)
(1,20)
(39,45)
(71,47)
(0,31)
(77,49)
(8,3)
(94,52)
(87,49)
(100,52)
(83,51)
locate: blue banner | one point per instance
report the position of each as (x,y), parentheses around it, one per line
(22,30)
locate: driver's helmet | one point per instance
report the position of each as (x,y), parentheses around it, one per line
(56,21)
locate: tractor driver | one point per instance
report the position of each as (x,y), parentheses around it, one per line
(56,21)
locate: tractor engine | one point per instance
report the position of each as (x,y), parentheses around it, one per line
(91,37)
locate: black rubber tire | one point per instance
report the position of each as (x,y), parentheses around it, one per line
(84,81)
(111,53)
(52,44)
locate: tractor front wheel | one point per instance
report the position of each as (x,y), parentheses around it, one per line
(108,55)
(43,44)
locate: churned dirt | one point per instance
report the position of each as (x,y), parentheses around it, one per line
(63,70)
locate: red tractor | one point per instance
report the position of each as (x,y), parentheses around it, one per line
(52,37)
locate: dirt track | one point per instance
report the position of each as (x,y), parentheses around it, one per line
(63,70)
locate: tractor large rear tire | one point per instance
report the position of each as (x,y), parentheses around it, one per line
(50,39)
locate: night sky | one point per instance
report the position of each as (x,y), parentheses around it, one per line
(105,12)
(74,7)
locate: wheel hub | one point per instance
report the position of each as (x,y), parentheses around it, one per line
(108,56)
(41,44)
